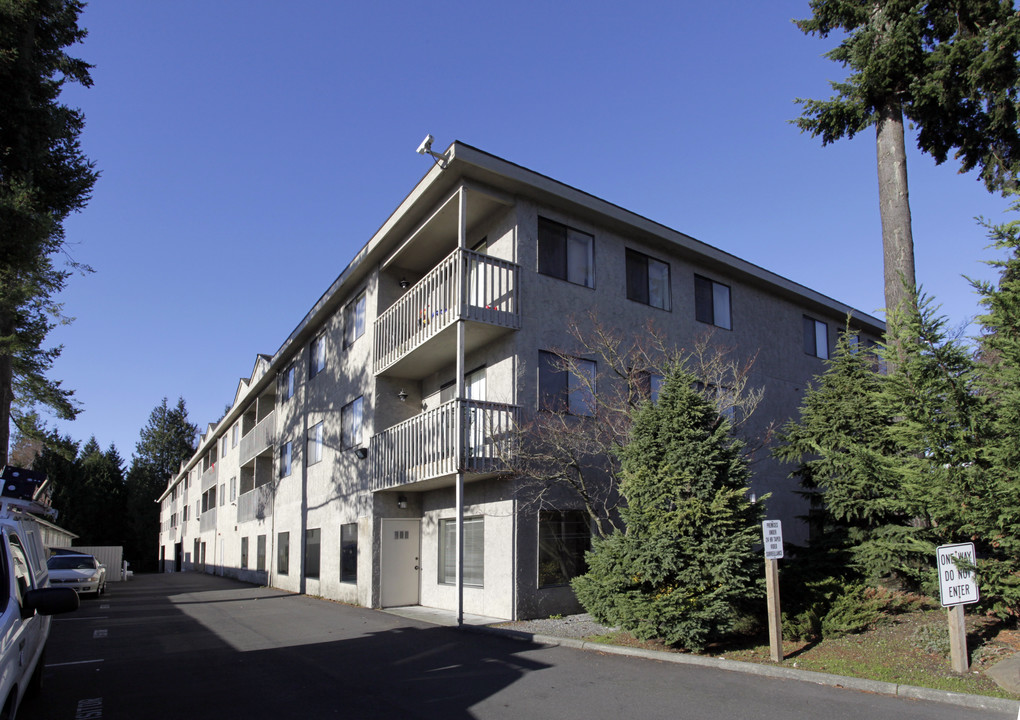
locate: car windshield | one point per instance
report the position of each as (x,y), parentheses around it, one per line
(71,562)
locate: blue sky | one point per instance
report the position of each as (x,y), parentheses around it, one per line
(239,141)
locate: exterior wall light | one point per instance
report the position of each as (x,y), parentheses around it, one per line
(402,395)
(402,501)
(362,453)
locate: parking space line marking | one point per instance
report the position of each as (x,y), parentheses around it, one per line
(100,633)
(76,662)
(68,619)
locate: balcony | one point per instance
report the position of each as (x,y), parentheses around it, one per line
(256,504)
(421,451)
(259,439)
(466,285)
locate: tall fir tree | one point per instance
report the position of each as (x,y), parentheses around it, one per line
(44,176)
(164,443)
(1000,450)
(950,68)
(684,569)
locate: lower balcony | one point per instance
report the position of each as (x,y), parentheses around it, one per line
(421,451)
(256,504)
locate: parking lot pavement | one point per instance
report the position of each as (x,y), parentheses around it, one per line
(195,647)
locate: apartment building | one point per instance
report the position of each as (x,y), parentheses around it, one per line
(349,458)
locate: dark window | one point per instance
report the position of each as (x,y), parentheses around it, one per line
(287,383)
(312,547)
(317,356)
(712,302)
(816,337)
(563,538)
(283,553)
(349,553)
(565,253)
(647,280)
(474,551)
(260,553)
(351,416)
(244,553)
(354,319)
(286,459)
(566,384)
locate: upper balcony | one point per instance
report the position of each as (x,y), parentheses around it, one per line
(416,335)
(258,439)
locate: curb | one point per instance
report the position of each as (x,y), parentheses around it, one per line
(879,687)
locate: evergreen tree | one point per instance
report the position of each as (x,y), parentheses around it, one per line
(951,68)
(684,570)
(88,491)
(44,176)
(165,442)
(846,462)
(999,552)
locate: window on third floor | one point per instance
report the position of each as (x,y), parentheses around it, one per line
(712,302)
(816,337)
(317,355)
(566,253)
(647,280)
(354,319)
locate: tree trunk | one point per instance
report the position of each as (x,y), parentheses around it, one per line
(897,238)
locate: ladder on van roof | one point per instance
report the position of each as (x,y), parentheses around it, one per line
(24,491)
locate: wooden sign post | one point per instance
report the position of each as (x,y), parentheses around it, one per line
(772,532)
(957,587)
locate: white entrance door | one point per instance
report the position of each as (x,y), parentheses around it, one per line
(401,562)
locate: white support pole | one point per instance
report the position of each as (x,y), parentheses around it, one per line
(459,449)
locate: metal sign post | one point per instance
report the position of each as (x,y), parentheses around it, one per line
(957,587)
(772,533)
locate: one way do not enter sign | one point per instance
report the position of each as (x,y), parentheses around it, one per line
(957,585)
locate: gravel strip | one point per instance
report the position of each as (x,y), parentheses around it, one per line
(568,626)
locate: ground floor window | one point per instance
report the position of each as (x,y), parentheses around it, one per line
(563,538)
(312,545)
(244,553)
(349,553)
(474,551)
(283,553)
(260,557)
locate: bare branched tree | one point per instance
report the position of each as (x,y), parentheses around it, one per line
(570,447)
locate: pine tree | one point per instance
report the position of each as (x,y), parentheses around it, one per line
(846,462)
(999,551)
(164,443)
(684,569)
(951,68)
(44,176)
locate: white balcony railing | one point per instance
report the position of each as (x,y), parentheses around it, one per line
(466,285)
(259,439)
(256,504)
(424,447)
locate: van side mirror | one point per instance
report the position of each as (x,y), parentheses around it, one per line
(51,601)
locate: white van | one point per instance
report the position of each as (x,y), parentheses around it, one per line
(26,600)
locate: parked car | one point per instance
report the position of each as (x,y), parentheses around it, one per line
(26,600)
(78,571)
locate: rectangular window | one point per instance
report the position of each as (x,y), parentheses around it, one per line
(283,553)
(244,553)
(287,383)
(566,384)
(566,253)
(233,488)
(354,319)
(223,494)
(317,356)
(285,459)
(647,280)
(260,553)
(816,337)
(474,551)
(312,547)
(650,385)
(564,536)
(712,302)
(350,419)
(349,553)
(235,434)
(314,449)
(223,447)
